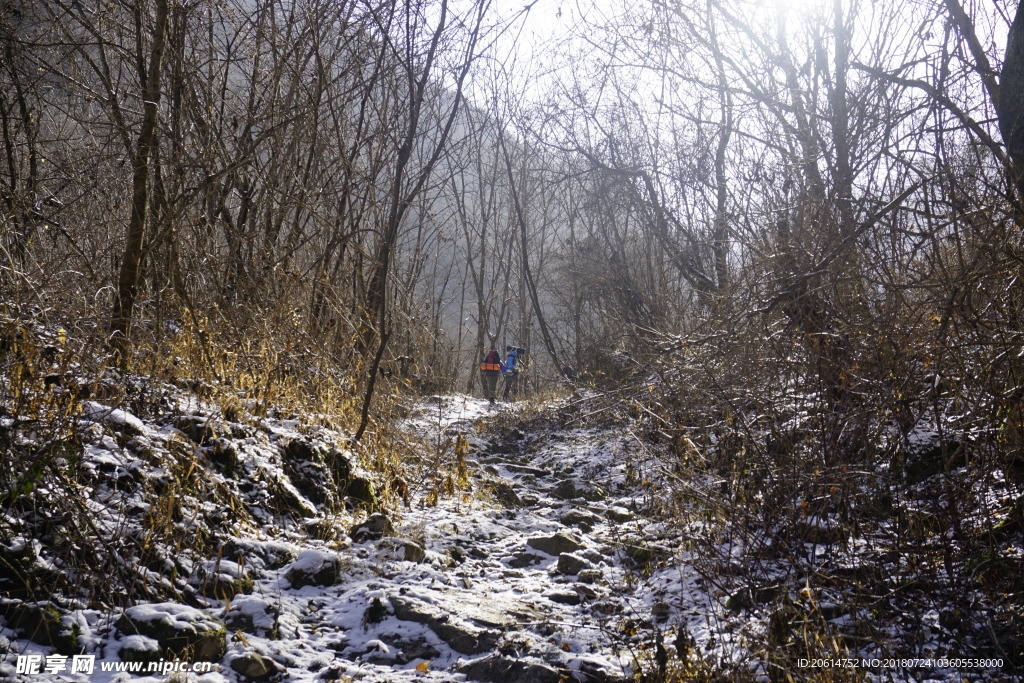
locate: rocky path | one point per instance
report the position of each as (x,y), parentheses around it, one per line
(533,570)
(537,563)
(526,578)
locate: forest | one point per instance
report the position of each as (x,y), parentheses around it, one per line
(764,257)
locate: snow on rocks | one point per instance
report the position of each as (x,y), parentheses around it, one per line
(556,544)
(510,581)
(314,568)
(252,614)
(120,420)
(179,630)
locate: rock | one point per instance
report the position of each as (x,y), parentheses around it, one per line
(120,421)
(608,607)
(255,667)
(580,518)
(140,649)
(619,514)
(409,650)
(407,550)
(223,580)
(529,499)
(506,495)
(564,597)
(41,622)
(376,527)
(461,636)
(521,560)
(590,575)
(555,545)
(252,614)
(507,670)
(225,454)
(566,489)
(360,492)
(571,565)
(306,466)
(200,430)
(526,469)
(314,568)
(181,630)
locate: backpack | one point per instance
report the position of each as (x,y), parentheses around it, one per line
(492,363)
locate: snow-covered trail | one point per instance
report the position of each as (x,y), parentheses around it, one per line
(523,578)
(555,552)
(527,574)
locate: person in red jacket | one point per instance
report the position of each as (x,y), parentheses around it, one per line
(490,370)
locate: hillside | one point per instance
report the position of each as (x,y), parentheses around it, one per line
(533,543)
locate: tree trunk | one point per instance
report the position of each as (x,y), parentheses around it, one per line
(1011,98)
(131,261)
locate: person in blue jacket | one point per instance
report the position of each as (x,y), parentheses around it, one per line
(511,370)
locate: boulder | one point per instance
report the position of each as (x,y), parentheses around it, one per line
(140,649)
(182,631)
(565,489)
(404,549)
(41,622)
(580,518)
(571,565)
(564,597)
(252,614)
(555,545)
(199,429)
(460,635)
(376,527)
(314,568)
(508,670)
(253,666)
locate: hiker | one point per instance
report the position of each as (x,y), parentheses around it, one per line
(490,370)
(512,362)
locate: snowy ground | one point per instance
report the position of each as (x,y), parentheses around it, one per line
(543,563)
(523,575)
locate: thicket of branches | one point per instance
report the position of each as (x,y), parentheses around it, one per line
(804,222)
